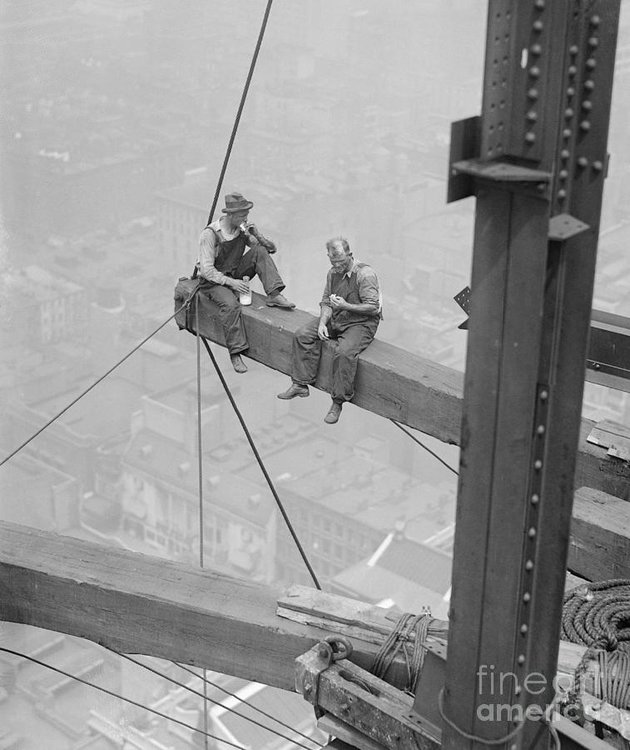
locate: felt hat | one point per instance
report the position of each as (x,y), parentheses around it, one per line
(236,202)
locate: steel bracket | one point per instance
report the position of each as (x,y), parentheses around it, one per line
(509,176)
(564,226)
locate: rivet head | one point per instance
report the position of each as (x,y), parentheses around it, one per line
(572,70)
(595,21)
(536,49)
(541,427)
(530,137)
(589,85)
(565,153)
(570,91)
(532,116)
(562,194)
(585,125)
(529,565)
(534,71)
(566,133)
(526,597)
(598,166)
(563,174)
(517,690)
(533,94)
(591,63)
(538,26)
(531,533)
(568,113)
(586,105)
(521,659)
(544,395)
(538,464)
(540,4)
(535,499)
(524,628)
(573,49)
(593,41)
(582,161)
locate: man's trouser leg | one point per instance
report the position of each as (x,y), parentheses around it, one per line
(229,315)
(350,343)
(306,350)
(258,262)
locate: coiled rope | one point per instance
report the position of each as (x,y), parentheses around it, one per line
(407,636)
(597,615)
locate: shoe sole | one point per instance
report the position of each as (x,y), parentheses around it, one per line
(282,307)
(296,395)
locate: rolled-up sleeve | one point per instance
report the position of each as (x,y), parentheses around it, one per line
(325,302)
(369,291)
(207,255)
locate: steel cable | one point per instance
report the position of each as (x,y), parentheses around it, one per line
(96,382)
(211,700)
(113,694)
(261,463)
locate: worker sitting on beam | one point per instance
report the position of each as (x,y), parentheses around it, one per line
(231,249)
(350,312)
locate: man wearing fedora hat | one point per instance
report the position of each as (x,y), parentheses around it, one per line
(350,312)
(229,250)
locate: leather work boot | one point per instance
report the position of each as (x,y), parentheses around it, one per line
(237,363)
(279,300)
(333,413)
(296,389)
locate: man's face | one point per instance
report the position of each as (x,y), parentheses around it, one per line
(238,217)
(341,262)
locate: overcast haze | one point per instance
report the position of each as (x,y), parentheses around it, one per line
(116,115)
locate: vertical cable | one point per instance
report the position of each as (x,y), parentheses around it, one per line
(200,478)
(261,463)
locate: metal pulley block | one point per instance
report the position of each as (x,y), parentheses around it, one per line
(354,705)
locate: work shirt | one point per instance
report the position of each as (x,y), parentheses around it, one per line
(209,245)
(359,285)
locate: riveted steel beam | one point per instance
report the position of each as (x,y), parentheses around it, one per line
(538,180)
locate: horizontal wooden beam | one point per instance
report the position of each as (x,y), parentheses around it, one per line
(146,605)
(390,382)
(599,548)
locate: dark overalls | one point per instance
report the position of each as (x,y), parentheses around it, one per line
(353,333)
(232,260)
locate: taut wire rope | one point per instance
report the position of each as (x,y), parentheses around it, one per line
(241,105)
(211,700)
(261,463)
(422,445)
(249,705)
(113,694)
(96,382)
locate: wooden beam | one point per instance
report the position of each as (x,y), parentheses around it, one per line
(146,605)
(391,382)
(599,548)
(138,604)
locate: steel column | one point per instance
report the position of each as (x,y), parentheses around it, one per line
(541,165)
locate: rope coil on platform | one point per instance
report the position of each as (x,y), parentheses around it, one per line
(399,640)
(597,615)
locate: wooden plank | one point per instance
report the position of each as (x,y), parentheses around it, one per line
(599,548)
(145,605)
(393,383)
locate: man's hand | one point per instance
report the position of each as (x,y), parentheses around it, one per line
(239,286)
(322,331)
(337,302)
